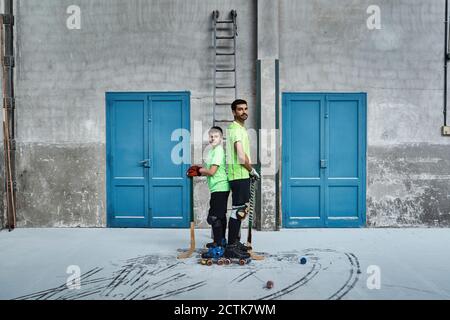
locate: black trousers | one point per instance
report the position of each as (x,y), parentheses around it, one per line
(241,195)
(217,216)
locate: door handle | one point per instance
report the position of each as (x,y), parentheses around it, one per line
(323,164)
(145,163)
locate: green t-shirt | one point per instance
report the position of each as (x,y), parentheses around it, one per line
(219,181)
(235,133)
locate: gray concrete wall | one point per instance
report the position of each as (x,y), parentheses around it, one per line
(325,45)
(150,45)
(62,77)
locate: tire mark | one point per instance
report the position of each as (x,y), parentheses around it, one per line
(176,277)
(94,281)
(46,294)
(186,289)
(82,295)
(139,278)
(164,269)
(357,263)
(250,273)
(138,290)
(120,273)
(240,275)
(71,295)
(75,295)
(178,291)
(347,287)
(118,281)
(135,269)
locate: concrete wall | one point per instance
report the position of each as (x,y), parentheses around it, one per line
(325,45)
(153,45)
(62,77)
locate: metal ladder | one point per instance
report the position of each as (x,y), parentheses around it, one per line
(223,39)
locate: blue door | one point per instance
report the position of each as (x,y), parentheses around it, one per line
(146,162)
(324,160)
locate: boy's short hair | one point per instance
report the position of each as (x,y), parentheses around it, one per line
(216,129)
(238,102)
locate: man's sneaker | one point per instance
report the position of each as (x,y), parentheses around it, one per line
(232,252)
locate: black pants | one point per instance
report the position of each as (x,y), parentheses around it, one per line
(241,195)
(217,216)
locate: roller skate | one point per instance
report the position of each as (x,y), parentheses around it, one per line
(213,255)
(233,254)
(243,247)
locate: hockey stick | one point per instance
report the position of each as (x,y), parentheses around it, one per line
(191,250)
(253,186)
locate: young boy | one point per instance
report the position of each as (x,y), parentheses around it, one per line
(219,187)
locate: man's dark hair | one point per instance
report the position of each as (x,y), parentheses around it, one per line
(236,103)
(219,129)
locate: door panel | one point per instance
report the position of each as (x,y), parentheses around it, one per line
(127,147)
(346,173)
(169,183)
(343,139)
(302,174)
(145,187)
(305,122)
(324,143)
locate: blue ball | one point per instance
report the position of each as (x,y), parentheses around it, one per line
(303,260)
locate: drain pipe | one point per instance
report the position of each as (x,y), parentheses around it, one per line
(8,65)
(445,128)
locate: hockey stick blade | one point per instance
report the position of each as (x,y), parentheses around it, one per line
(253,255)
(191,250)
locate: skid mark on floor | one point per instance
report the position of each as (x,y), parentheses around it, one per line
(155,277)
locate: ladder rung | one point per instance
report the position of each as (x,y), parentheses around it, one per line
(222,104)
(228,121)
(225,37)
(225,21)
(225,54)
(225,87)
(225,70)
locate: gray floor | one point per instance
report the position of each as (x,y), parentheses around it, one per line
(142,264)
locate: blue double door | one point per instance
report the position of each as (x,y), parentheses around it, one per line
(147,156)
(324,160)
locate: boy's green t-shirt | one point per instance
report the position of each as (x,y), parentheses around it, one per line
(235,133)
(218,182)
